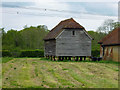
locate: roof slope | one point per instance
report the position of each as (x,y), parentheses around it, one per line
(68,23)
(112,38)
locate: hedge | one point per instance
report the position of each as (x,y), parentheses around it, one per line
(22,53)
(95,53)
(5,53)
(32,53)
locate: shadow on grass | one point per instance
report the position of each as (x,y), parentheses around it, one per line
(7,59)
(102,61)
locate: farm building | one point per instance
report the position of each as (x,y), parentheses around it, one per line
(110,46)
(68,39)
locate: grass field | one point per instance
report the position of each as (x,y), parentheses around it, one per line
(42,73)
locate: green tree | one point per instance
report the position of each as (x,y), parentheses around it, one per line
(97,36)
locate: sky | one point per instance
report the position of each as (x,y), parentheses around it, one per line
(15,14)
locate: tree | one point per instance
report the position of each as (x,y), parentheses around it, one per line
(28,38)
(25,26)
(116,24)
(95,46)
(2,31)
(108,25)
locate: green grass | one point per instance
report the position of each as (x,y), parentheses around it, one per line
(43,73)
(6,59)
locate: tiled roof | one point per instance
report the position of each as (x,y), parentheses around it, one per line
(68,23)
(112,38)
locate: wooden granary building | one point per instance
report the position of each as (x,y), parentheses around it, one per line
(110,46)
(68,39)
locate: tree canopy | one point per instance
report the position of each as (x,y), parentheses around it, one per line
(28,38)
(108,25)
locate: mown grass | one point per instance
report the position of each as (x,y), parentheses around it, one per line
(6,59)
(43,73)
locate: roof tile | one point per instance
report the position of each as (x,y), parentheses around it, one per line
(68,23)
(111,38)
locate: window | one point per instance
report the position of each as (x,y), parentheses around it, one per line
(73,33)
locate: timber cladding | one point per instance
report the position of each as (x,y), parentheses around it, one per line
(68,44)
(68,38)
(50,47)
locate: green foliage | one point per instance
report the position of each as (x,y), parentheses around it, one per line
(26,39)
(32,53)
(23,53)
(97,36)
(95,53)
(6,53)
(6,59)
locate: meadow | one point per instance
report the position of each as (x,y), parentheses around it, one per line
(43,73)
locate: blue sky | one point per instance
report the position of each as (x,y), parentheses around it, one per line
(89,14)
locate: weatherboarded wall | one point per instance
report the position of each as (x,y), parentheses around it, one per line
(68,44)
(111,53)
(50,47)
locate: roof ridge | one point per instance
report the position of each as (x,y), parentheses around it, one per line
(67,23)
(111,35)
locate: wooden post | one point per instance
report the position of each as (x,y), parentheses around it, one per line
(80,58)
(77,58)
(73,58)
(59,58)
(65,57)
(84,58)
(51,57)
(48,57)
(62,58)
(69,58)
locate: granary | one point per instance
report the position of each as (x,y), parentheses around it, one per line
(68,39)
(110,46)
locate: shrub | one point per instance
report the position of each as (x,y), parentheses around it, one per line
(5,53)
(15,53)
(32,53)
(95,53)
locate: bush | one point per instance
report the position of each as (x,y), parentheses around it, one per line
(5,53)
(95,53)
(15,53)
(32,53)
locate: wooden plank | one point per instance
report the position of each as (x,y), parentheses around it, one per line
(78,45)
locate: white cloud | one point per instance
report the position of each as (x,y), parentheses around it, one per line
(51,4)
(17,21)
